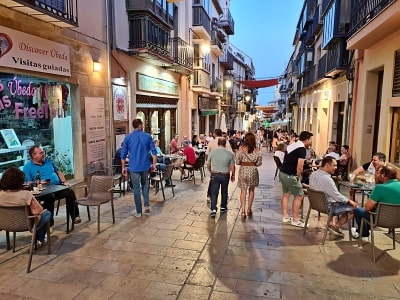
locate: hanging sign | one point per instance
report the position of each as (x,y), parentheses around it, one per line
(28,52)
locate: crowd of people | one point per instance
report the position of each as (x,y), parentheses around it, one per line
(300,169)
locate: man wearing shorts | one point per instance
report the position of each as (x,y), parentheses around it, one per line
(290,174)
(321,180)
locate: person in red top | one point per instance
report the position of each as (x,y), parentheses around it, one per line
(174,146)
(190,158)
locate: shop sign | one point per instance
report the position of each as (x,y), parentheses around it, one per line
(28,52)
(13,91)
(155,85)
(95,129)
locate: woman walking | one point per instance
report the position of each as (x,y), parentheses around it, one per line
(249,158)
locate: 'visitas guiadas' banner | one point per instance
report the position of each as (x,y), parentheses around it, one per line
(28,52)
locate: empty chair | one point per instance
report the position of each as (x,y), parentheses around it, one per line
(278,164)
(317,201)
(161,176)
(99,192)
(386,216)
(19,219)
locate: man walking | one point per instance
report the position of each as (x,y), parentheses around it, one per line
(321,180)
(290,174)
(221,165)
(138,145)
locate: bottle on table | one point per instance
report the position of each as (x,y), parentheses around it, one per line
(38,181)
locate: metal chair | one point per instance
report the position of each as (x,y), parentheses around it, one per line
(19,219)
(278,165)
(198,166)
(386,216)
(99,192)
(163,175)
(318,202)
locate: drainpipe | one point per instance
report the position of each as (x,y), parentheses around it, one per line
(108,81)
(359,57)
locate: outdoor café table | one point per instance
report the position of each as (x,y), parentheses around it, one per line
(54,189)
(365,189)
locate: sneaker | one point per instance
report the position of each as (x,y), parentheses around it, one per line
(77,220)
(334,230)
(213,213)
(354,233)
(223,210)
(191,177)
(137,215)
(147,210)
(185,178)
(365,239)
(298,223)
(287,220)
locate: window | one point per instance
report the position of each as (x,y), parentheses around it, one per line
(39,112)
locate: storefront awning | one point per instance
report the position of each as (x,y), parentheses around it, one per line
(209,112)
(267,109)
(259,83)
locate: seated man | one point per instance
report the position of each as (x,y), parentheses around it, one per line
(190,159)
(162,163)
(321,180)
(387,190)
(49,171)
(378,160)
(332,152)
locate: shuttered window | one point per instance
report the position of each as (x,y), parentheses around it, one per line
(396,75)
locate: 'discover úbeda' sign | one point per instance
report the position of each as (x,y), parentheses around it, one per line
(24,51)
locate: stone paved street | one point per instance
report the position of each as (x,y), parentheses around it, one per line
(179,252)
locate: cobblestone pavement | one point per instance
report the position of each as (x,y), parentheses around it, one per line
(179,252)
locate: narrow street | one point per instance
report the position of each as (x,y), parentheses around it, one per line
(179,252)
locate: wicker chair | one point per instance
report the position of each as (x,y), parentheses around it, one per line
(19,219)
(318,202)
(386,216)
(160,177)
(99,192)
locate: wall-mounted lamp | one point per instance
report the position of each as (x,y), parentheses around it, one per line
(205,49)
(96,66)
(228,83)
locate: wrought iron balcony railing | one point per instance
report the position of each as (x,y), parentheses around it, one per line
(334,61)
(62,13)
(227,23)
(218,38)
(164,15)
(227,60)
(201,18)
(181,53)
(362,11)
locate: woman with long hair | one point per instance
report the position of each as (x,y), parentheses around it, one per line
(249,158)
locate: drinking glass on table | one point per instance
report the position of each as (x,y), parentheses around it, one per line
(351,177)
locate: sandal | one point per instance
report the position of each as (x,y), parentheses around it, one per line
(243,215)
(249,212)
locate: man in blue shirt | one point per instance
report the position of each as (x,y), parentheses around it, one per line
(49,172)
(137,145)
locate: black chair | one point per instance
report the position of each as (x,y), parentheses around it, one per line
(318,202)
(198,166)
(278,165)
(160,177)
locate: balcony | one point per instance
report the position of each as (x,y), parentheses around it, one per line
(218,39)
(181,55)
(334,61)
(226,61)
(372,21)
(152,8)
(61,13)
(317,20)
(227,23)
(336,22)
(201,81)
(201,22)
(309,77)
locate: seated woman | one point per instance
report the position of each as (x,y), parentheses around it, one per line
(12,194)
(344,160)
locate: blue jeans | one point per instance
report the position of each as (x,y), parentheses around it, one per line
(140,179)
(41,227)
(218,180)
(360,213)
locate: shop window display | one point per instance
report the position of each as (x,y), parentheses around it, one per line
(35,111)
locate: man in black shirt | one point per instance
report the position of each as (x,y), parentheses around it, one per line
(290,174)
